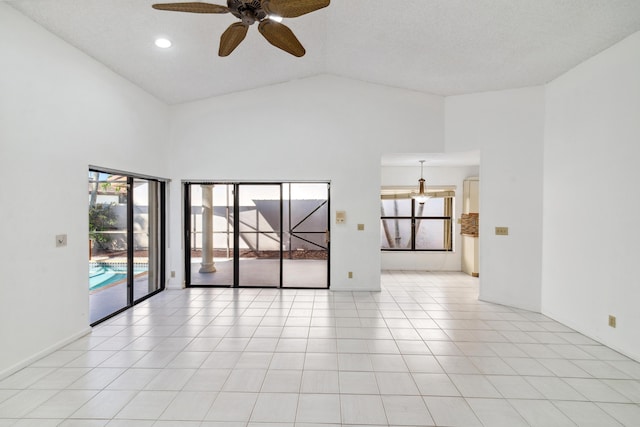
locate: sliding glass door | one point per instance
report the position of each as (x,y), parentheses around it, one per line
(257,234)
(147,232)
(126,241)
(209,212)
(108,244)
(306,225)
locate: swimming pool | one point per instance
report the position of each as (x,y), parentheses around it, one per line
(101,275)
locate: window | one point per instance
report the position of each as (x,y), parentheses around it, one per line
(406,225)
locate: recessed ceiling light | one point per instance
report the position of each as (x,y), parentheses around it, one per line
(275,18)
(163,43)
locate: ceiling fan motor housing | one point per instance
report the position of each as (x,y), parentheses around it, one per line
(249,11)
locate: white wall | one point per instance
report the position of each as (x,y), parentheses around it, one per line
(320,128)
(59,112)
(591,235)
(434,176)
(507,128)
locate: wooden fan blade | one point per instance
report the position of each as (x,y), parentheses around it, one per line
(293,8)
(231,38)
(193,7)
(281,37)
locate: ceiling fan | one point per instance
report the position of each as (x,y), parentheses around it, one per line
(266,12)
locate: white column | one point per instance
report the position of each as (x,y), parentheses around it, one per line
(207,265)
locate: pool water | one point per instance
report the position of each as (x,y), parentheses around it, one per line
(103,275)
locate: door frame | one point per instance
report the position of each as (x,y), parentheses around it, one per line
(131,301)
(236,186)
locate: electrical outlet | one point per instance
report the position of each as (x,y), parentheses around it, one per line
(502,231)
(173,274)
(350,275)
(61,240)
(612,321)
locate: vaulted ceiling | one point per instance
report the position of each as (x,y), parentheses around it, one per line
(443,47)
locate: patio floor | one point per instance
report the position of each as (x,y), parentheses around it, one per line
(304,273)
(112,298)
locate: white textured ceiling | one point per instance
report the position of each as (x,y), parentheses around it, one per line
(467,158)
(442,47)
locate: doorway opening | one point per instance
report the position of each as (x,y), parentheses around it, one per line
(271,235)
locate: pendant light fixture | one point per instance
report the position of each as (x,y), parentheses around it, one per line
(421,197)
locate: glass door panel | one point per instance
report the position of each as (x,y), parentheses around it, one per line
(306,226)
(223,244)
(146,233)
(259,225)
(108,244)
(211,234)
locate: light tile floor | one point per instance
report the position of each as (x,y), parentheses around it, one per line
(422,352)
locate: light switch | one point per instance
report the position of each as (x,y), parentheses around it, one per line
(341,217)
(360,227)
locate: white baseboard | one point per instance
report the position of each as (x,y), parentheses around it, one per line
(352,289)
(41,354)
(570,324)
